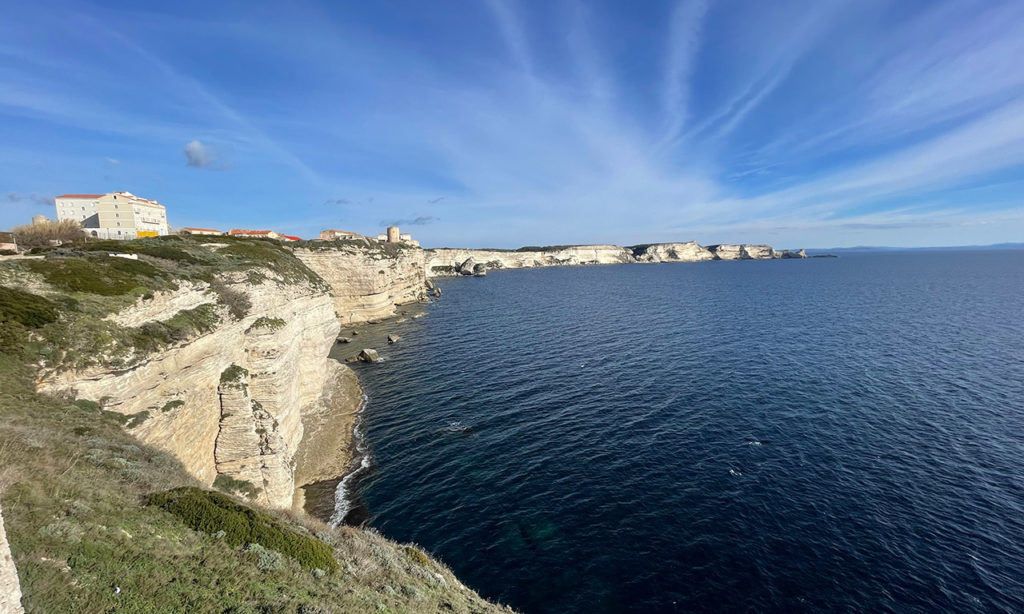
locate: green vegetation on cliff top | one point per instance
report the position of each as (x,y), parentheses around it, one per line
(83,285)
(99,522)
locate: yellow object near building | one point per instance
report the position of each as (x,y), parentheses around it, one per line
(147,233)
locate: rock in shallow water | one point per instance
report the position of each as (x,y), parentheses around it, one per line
(393,339)
(369,355)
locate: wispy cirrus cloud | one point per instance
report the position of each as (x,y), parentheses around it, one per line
(421,220)
(586,122)
(39,200)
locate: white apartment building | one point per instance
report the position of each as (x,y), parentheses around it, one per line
(117,215)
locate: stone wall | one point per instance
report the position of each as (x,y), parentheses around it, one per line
(10,589)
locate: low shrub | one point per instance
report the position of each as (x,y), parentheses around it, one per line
(234,486)
(101,275)
(266,560)
(234,376)
(169,405)
(210,512)
(271,324)
(152,247)
(417,556)
(29,310)
(237,301)
(40,235)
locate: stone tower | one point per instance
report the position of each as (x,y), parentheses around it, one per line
(39,219)
(393,236)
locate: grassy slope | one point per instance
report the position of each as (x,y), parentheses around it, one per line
(76,491)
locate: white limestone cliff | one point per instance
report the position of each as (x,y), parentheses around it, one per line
(175,399)
(674,252)
(445,261)
(10,588)
(368,279)
(448,262)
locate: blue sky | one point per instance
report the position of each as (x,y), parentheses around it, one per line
(500,123)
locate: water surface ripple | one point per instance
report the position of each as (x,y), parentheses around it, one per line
(777,436)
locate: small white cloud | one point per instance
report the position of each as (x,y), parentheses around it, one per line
(198,155)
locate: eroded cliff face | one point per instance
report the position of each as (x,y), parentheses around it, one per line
(229,402)
(10,588)
(674,252)
(368,280)
(445,262)
(449,262)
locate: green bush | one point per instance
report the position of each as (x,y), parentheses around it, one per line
(101,275)
(148,247)
(233,486)
(271,324)
(210,512)
(266,560)
(237,301)
(234,376)
(169,405)
(27,309)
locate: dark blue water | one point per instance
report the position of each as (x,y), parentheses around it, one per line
(777,436)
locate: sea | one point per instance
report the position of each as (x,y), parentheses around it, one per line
(822,435)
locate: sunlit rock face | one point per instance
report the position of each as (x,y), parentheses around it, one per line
(10,589)
(449,262)
(673,252)
(367,283)
(175,399)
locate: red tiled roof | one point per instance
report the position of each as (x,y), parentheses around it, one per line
(79,196)
(201,229)
(290,238)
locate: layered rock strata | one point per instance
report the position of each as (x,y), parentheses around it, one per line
(368,281)
(673,252)
(10,588)
(447,262)
(451,262)
(228,402)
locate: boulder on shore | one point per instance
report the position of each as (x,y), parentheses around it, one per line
(479,269)
(393,339)
(369,355)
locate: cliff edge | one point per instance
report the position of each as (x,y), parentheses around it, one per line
(444,262)
(134,376)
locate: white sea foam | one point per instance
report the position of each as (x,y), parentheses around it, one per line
(342,494)
(753,442)
(734,472)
